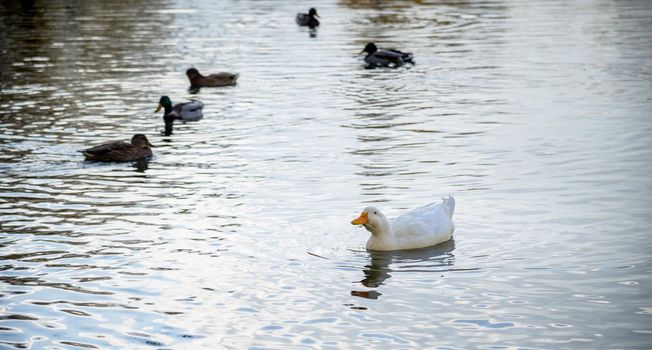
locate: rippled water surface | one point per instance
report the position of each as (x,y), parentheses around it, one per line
(535,115)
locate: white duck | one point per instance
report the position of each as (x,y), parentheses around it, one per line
(422,227)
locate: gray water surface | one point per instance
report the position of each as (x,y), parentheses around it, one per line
(535,115)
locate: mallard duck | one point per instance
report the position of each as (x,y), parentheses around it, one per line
(120,151)
(308,19)
(212,80)
(186,112)
(386,58)
(421,227)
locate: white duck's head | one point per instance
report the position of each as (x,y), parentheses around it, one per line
(373,220)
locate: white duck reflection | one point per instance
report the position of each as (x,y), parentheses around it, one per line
(434,259)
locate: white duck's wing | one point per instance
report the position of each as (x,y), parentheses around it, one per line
(426,225)
(189,111)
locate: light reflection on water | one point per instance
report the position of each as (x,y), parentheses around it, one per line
(535,116)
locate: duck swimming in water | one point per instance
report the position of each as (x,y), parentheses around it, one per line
(120,151)
(212,80)
(422,227)
(186,112)
(385,58)
(308,19)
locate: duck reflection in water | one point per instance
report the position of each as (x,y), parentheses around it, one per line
(141,165)
(434,259)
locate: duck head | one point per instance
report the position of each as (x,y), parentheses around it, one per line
(165,103)
(140,140)
(373,220)
(193,73)
(370,48)
(313,12)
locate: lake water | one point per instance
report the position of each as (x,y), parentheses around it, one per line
(535,115)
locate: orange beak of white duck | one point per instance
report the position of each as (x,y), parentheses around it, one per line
(361,220)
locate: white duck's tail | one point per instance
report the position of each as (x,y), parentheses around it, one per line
(449,204)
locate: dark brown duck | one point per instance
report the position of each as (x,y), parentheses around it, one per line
(308,19)
(120,151)
(197,80)
(385,58)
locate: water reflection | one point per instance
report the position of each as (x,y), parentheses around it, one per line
(426,260)
(141,165)
(312,31)
(379,4)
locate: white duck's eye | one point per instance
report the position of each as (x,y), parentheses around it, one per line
(374,213)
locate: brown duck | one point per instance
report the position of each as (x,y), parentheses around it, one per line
(120,151)
(386,58)
(308,19)
(220,79)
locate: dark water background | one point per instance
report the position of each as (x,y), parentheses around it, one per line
(536,115)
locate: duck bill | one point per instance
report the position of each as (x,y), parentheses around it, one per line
(360,220)
(159,108)
(150,145)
